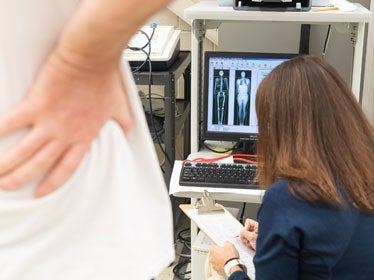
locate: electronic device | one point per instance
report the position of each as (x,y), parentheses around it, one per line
(165,46)
(218,175)
(273,5)
(230,84)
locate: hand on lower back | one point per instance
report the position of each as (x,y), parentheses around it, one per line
(65,109)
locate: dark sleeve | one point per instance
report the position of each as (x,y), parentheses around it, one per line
(278,242)
(239,275)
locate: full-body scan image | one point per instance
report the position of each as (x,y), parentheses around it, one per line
(242,93)
(221,87)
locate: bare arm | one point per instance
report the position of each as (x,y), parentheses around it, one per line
(75,92)
(100,30)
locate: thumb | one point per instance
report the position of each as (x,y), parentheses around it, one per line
(123,114)
(253,243)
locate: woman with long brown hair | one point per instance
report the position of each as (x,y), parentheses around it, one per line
(317,216)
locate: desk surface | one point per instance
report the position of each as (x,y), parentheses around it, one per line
(211,11)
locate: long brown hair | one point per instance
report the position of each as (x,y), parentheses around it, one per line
(313,132)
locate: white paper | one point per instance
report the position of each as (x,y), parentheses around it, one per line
(221,228)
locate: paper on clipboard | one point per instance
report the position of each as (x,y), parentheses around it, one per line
(220,228)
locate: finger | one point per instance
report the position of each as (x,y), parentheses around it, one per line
(241,233)
(250,224)
(247,224)
(243,238)
(253,244)
(124,115)
(32,142)
(42,161)
(16,119)
(249,235)
(63,170)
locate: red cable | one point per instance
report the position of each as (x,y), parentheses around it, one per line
(235,157)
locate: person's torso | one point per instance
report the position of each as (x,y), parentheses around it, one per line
(96,225)
(335,244)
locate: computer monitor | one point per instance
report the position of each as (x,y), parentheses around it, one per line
(230,84)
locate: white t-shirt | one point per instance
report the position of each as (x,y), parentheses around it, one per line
(112,220)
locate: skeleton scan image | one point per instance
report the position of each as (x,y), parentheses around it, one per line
(221,89)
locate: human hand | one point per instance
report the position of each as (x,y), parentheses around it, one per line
(248,235)
(218,256)
(65,108)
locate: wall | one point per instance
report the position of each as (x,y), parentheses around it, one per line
(170,17)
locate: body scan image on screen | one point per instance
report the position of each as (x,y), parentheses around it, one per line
(230,84)
(220,97)
(242,96)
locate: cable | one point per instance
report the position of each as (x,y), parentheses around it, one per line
(326,42)
(219,152)
(151,110)
(241,218)
(142,49)
(177,270)
(239,157)
(244,160)
(184,238)
(148,59)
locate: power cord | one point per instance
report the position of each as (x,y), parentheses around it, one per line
(241,218)
(326,42)
(137,69)
(177,270)
(184,238)
(217,151)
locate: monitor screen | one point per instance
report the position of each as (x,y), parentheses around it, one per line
(230,84)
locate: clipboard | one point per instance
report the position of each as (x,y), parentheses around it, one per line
(221,227)
(218,227)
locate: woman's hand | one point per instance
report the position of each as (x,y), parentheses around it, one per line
(65,108)
(248,235)
(218,256)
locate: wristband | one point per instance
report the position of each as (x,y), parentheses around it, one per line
(231,263)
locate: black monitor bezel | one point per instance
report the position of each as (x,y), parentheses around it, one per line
(221,136)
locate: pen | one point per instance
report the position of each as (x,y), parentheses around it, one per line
(326,9)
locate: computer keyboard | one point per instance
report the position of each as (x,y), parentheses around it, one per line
(218,175)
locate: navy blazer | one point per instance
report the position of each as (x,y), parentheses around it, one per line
(298,240)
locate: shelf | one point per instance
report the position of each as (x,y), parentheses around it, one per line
(209,10)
